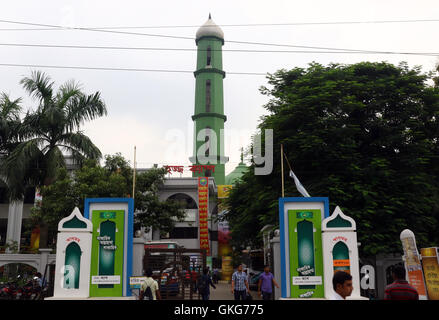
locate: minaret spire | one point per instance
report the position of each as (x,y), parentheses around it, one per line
(209,114)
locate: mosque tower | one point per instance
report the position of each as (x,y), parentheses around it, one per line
(209,115)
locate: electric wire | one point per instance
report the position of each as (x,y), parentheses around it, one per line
(191,38)
(119,69)
(243,25)
(223,50)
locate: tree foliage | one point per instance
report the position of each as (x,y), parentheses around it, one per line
(364,135)
(113,179)
(9,123)
(48,131)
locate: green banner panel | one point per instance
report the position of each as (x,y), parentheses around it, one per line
(306,254)
(340,257)
(107,253)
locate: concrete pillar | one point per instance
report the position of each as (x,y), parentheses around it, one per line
(276,264)
(138,253)
(15,215)
(380,273)
(44,260)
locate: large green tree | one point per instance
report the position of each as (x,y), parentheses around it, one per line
(366,136)
(48,131)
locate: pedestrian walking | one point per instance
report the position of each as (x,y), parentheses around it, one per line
(204,284)
(265,284)
(149,288)
(240,284)
(400,289)
(342,285)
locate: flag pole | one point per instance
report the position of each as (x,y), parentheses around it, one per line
(134,171)
(282,168)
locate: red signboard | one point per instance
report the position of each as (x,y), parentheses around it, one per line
(195,168)
(203,211)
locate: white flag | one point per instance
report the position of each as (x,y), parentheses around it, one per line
(299,186)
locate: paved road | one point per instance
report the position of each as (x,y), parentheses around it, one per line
(223,292)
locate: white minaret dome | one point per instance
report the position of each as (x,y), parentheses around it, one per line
(211,29)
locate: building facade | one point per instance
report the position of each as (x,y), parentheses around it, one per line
(208,140)
(14,214)
(186,233)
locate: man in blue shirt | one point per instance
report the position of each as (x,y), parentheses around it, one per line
(239,284)
(265,285)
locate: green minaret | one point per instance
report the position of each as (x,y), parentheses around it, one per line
(209,115)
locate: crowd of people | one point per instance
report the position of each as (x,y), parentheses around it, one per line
(400,289)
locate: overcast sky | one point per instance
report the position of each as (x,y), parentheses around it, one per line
(153,110)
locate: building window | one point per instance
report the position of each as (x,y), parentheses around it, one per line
(213,235)
(4,195)
(29,195)
(207,142)
(209,56)
(184,233)
(208,96)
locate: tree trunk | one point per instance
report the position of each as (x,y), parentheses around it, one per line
(44,228)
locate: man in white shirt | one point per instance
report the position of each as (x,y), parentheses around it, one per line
(152,284)
(342,284)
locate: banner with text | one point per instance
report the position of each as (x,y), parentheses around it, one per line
(412,261)
(430,263)
(203,211)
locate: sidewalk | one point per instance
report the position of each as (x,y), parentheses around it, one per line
(223,291)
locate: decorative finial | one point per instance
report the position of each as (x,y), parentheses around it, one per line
(242,155)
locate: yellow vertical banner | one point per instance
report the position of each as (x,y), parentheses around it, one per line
(224,247)
(223,191)
(35,238)
(413,265)
(227,268)
(430,264)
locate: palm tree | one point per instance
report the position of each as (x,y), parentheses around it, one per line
(48,131)
(9,126)
(9,123)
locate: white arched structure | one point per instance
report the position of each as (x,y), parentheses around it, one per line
(338,232)
(37,261)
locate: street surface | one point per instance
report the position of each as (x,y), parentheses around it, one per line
(223,291)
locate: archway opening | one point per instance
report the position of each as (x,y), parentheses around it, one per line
(186,201)
(20,272)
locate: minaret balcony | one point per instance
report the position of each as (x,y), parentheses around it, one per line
(210,70)
(209,115)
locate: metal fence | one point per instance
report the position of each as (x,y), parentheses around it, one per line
(176,271)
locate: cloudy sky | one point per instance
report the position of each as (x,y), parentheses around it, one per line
(152,110)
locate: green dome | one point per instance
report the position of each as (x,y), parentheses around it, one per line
(236,174)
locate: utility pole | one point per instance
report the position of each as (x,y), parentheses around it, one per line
(134,172)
